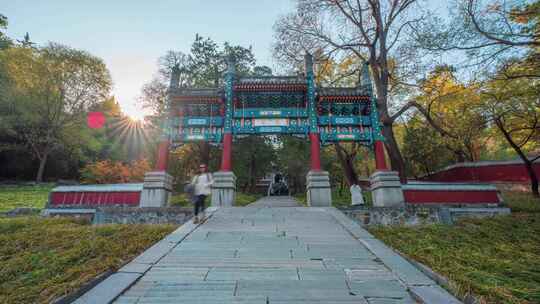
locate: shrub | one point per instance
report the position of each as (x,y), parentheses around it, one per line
(108,172)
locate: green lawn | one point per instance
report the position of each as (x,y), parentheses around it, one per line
(43,259)
(244,199)
(498,259)
(521,202)
(23,196)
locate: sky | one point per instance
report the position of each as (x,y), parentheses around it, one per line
(131,35)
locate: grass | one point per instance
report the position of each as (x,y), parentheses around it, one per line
(43,259)
(301,198)
(521,202)
(12,197)
(244,199)
(180,200)
(497,259)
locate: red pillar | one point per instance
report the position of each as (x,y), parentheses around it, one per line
(380,161)
(162,156)
(227,152)
(315,151)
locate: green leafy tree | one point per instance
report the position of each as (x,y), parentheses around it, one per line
(252,157)
(451,108)
(47,91)
(5,42)
(204,66)
(424,149)
(293,158)
(513,107)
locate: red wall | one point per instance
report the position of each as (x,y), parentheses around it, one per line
(488,173)
(95,198)
(450,197)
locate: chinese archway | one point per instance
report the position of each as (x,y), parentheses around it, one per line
(291,105)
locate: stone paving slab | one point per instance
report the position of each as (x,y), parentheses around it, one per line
(194,300)
(275,201)
(285,255)
(237,274)
(108,290)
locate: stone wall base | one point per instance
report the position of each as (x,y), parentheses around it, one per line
(134,215)
(319,193)
(386,189)
(157,189)
(418,215)
(223,189)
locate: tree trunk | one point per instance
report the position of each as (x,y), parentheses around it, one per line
(366,164)
(41,170)
(252,178)
(347,164)
(204,153)
(526,161)
(381,87)
(534,179)
(396,159)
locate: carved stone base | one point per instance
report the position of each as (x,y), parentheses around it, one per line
(319,193)
(386,189)
(157,189)
(223,189)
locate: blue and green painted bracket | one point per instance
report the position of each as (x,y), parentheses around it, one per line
(334,114)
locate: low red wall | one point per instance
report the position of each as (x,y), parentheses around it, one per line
(95,198)
(96,195)
(451,197)
(450,193)
(509,172)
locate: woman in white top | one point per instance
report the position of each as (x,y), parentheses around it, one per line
(201,189)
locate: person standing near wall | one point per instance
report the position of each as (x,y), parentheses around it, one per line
(201,189)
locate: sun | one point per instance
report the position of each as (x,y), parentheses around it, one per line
(136,115)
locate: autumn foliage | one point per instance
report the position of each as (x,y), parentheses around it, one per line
(107,172)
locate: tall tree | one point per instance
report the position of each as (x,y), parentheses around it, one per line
(489,32)
(375,31)
(424,149)
(204,66)
(47,91)
(253,159)
(293,159)
(514,108)
(451,108)
(333,73)
(4,40)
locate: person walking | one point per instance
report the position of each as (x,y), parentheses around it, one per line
(201,189)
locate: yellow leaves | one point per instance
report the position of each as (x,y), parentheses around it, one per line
(108,172)
(443,95)
(336,73)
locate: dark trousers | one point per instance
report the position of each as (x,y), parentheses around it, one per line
(199,203)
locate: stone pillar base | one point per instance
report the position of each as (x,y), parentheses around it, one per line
(223,189)
(319,193)
(386,189)
(157,189)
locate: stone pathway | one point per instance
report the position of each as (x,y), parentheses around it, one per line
(275,201)
(270,255)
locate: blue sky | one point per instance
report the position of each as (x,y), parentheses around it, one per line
(131,35)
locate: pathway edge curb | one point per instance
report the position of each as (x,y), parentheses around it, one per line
(99,294)
(427,291)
